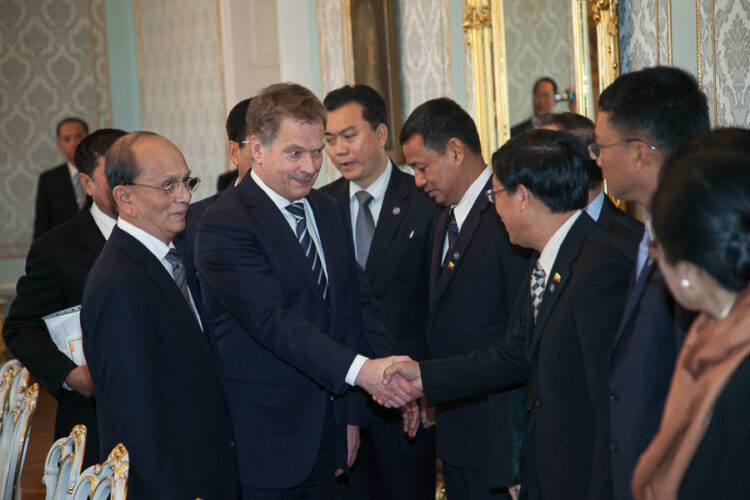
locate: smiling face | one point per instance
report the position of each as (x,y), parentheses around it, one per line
(355,148)
(437,174)
(159,214)
(290,164)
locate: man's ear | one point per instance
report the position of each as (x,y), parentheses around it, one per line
(256,150)
(233,151)
(524,196)
(121,195)
(455,150)
(382,133)
(87,183)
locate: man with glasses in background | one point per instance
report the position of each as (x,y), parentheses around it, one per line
(152,359)
(643,117)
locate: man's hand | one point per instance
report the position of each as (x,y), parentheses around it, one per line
(427,413)
(410,418)
(352,447)
(398,378)
(370,378)
(79,379)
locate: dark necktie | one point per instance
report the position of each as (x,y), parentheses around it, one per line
(78,188)
(364,227)
(452,232)
(178,270)
(308,246)
(537,288)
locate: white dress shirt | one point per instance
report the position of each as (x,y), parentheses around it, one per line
(312,228)
(160,251)
(104,222)
(552,248)
(377,191)
(463,207)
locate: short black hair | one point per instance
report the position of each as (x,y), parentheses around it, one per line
(701,213)
(582,129)
(662,105)
(545,79)
(94,146)
(372,103)
(551,164)
(236,124)
(439,120)
(120,164)
(69,119)
(721,139)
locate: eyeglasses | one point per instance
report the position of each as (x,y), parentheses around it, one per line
(189,183)
(244,141)
(595,150)
(492,195)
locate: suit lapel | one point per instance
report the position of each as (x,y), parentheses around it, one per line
(392,213)
(637,288)
(607,215)
(560,275)
(88,235)
(437,253)
(330,244)
(462,242)
(268,215)
(160,277)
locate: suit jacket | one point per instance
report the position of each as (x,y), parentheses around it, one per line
(55,200)
(625,230)
(520,128)
(469,310)
(56,269)
(564,356)
(397,267)
(285,351)
(227,179)
(185,241)
(158,384)
(642,360)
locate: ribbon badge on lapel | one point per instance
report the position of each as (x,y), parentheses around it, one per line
(556,279)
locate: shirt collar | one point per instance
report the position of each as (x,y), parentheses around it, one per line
(551,249)
(72,170)
(276,198)
(462,208)
(594,209)
(154,244)
(377,188)
(104,222)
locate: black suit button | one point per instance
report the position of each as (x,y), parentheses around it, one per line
(613,398)
(231,444)
(613,446)
(538,403)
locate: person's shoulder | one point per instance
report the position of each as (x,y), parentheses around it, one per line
(336,188)
(52,173)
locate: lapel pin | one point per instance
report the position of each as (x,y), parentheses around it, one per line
(557,277)
(451,265)
(411,234)
(551,288)
(396,210)
(455,255)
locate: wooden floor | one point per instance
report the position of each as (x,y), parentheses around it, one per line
(42,432)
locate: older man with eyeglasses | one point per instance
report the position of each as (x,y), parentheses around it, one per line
(152,359)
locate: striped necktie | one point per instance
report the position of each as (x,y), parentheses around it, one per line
(308,246)
(178,270)
(537,288)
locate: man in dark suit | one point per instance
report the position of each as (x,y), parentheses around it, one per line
(543,98)
(632,143)
(239,154)
(622,227)
(148,343)
(56,270)
(475,275)
(393,228)
(60,195)
(281,285)
(568,315)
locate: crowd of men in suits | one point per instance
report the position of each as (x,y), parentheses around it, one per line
(237,346)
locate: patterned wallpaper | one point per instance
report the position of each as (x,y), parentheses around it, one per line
(637,34)
(725,59)
(180,68)
(52,64)
(538,37)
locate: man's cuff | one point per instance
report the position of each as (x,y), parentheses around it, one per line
(356,366)
(67,387)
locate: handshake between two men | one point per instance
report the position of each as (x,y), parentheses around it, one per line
(395,382)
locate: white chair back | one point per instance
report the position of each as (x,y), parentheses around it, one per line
(63,464)
(108,480)
(14,440)
(8,373)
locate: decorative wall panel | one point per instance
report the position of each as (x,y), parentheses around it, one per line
(538,42)
(52,64)
(180,68)
(724,60)
(637,34)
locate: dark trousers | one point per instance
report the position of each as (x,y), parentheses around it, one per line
(320,484)
(470,483)
(391,467)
